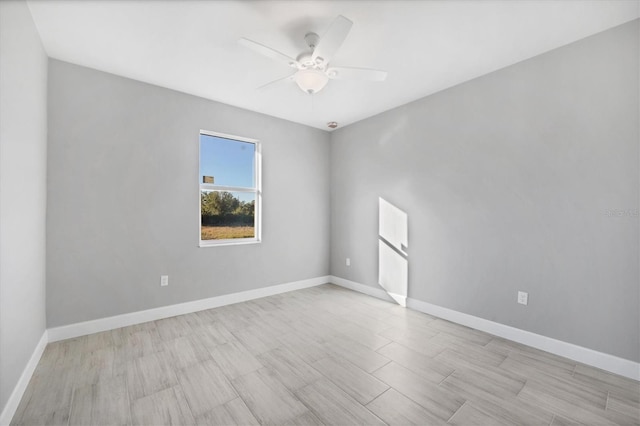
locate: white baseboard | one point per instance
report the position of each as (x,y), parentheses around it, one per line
(611,363)
(11,406)
(587,356)
(361,288)
(110,323)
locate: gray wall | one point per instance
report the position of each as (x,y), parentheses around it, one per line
(23,173)
(508,181)
(123,198)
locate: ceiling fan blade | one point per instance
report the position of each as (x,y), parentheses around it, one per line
(268,52)
(342,73)
(289,78)
(331,41)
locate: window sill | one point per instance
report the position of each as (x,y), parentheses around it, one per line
(238,242)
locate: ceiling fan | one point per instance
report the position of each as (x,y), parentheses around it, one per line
(313,66)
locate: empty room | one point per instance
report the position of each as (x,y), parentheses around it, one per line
(323,212)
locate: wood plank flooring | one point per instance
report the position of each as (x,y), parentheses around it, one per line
(323,355)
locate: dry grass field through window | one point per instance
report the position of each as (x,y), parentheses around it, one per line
(226,232)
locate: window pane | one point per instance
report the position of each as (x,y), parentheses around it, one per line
(229,162)
(227,215)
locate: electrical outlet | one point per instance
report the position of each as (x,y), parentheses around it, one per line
(523,298)
(348,262)
(164,280)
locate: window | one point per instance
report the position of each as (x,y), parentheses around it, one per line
(229,189)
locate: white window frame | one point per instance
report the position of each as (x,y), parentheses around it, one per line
(257,190)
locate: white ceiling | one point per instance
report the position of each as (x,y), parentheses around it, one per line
(426,46)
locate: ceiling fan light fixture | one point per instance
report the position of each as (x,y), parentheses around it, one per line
(311,80)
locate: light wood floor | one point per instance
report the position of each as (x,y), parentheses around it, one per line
(323,355)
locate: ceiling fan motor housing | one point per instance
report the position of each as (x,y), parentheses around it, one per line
(305,61)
